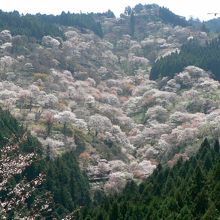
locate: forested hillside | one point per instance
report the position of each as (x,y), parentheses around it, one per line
(33,185)
(213,25)
(39,25)
(90,117)
(169,17)
(189,190)
(162,13)
(192,53)
(37,187)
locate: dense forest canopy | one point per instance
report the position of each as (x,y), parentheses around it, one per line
(189,190)
(168,16)
(192,53)
(63,188)
(40,25)
(163,13)
(213,25)
(88,101)
(107,14)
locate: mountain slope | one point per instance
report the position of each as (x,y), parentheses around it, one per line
(32,186)
(37,26)
(93,96)
(89,100)
(192,53)
(189,190)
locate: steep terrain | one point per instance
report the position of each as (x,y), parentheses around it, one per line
(116,98)
(91,94)
(189,190)
(33,186)
(191,53)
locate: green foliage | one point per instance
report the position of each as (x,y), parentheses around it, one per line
(8,127)
(132,24)
(211,214)
(107,14)
(65,180)
(163,14)
(192,53)
(186,191)
(76,20)
(169,17)
(30,145)
(189,190)
(29,25)
(213,25)
(39,25)
(64,184)
(216,146)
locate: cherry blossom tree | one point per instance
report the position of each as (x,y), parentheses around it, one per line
(99,123)
(65,117)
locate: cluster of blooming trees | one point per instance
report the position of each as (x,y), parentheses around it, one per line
(101,90)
